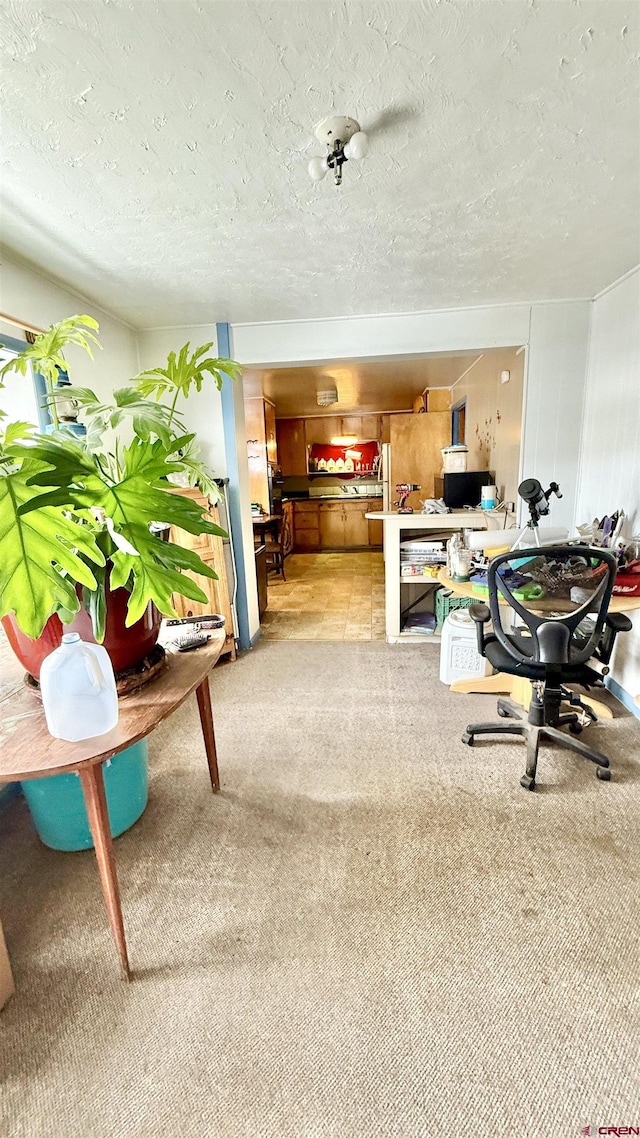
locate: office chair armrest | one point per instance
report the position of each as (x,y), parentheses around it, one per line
(480,615)
(615,622)
(618,621)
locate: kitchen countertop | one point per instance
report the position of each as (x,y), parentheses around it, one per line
(461,519)
(334,498)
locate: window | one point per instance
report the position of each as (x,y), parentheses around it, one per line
(21,399)
(458,422)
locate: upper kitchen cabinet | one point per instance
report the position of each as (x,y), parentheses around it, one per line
(295,436)
(416,443)
(292,446)
(262,451)
(436,399)
(322,428)
(270,431)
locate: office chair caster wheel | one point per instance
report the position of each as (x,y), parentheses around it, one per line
(604,773)
(528,782)
(468,739)
(576,728)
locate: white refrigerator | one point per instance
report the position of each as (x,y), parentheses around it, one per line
(384,476)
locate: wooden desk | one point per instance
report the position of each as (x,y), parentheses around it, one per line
(515,686)
(268,523)
(27,750)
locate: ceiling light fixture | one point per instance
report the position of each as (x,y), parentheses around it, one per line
(327,396)
(344,440)
(344,140)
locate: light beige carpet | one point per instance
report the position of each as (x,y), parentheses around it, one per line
(373,930)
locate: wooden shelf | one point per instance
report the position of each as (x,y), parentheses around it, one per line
(418,580)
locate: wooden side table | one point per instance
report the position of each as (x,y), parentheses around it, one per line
(28,751)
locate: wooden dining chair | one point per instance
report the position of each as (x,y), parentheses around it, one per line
(278,550)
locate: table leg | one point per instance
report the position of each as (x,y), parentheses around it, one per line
(203,696)
(96,803)
(6,979)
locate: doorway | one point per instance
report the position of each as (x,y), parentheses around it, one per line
(329,583)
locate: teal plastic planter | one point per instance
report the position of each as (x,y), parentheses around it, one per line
(57,803)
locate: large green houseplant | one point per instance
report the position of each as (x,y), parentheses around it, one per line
(75,513)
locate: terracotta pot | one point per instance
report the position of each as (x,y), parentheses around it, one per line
(126,646)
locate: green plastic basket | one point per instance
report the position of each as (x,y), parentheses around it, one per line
(446,603)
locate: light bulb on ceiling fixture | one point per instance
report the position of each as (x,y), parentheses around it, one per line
(344,140)
(358,146)
(317,169)
(326,396)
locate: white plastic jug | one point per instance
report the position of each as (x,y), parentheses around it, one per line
(78,690)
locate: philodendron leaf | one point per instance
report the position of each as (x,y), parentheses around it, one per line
(39,558)
(184,372)
(140,496)
(45,354)
(185,451)
(15,431)
(155,574)
(95,602)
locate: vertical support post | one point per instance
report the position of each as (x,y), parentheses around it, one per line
(239,516)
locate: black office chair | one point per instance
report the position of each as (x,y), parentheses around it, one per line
(556,620)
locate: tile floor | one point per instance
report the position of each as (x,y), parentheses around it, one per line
(327,596)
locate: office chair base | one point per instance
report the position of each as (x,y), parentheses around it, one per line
(534,735)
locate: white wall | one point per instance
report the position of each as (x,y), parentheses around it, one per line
(610,452)
(493,417)
(554,399)
(27,296)
(556,335)
(360,337)
(202,412)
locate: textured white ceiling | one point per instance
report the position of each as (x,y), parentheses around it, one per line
(156,152)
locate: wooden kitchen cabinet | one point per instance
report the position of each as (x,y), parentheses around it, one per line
(438,399)
(260,425)
(416,443)
(336,524)
(295,435)
(322,428)
(356,526)
(210,548)
(291,438)
(270,432)
(306,525)
(370,427)
(332,535)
